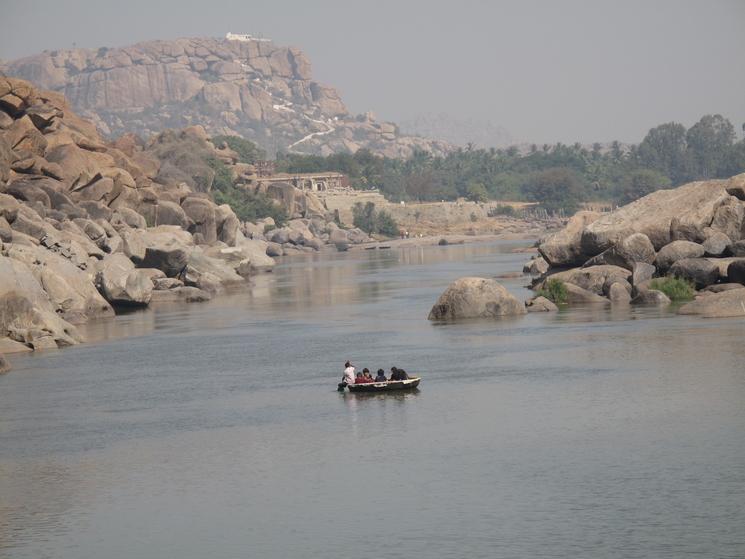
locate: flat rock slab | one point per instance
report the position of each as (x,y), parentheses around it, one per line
(718,305)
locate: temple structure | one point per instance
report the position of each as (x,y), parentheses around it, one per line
(313,182)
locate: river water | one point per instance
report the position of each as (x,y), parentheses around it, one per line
(215,431)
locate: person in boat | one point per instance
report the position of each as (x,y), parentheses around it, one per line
(398,374)
(381,376)
(348,377)
(364,377)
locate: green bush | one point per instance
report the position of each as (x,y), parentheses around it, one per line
(223,179)
(554,290)
(678,289)
(367,218)
(248,206)
(247,151)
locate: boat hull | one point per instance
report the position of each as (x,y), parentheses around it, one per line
(389,386)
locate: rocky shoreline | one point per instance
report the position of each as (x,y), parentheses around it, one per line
(692,236)
(88,226)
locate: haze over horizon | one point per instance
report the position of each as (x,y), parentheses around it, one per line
(576,71)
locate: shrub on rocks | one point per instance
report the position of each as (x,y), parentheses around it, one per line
(554,290)
(676,289)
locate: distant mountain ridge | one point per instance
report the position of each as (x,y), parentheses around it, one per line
(236,85)
(458,131)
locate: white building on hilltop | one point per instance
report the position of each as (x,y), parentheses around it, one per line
(243,38)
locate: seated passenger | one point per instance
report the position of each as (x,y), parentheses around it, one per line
(398,374)
(363,377)
(381,376)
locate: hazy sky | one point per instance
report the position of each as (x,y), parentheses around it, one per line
(569,70)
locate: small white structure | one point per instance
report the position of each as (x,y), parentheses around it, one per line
(244,38)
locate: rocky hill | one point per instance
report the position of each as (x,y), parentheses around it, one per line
(236,85)
(87,226)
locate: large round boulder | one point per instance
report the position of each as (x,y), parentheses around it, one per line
(121,284)
(677,250)
(167,248)
(228,224)
(280,236)
(619,292)
(170,213)
(202,213)
(716,244)
(577,295)
(651,297)
(700,271)
(475,298)
(535,267)
(274,249)
(209,273)
(26,313)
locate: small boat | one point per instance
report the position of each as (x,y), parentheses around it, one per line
(409,384)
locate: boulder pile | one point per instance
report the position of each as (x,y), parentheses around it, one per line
(694,232)
(87,226)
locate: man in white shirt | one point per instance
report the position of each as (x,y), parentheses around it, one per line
(348,373)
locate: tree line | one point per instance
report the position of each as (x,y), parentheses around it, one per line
(558,176)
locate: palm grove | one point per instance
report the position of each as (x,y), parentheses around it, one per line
(558,176)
